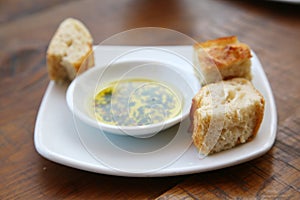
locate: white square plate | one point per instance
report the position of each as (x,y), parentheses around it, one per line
(63,139)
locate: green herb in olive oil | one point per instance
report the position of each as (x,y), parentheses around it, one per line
(136,102)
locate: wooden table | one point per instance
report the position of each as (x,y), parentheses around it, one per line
(271,29)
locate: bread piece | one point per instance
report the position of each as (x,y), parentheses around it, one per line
(70,51)
(226,114)
(222,59)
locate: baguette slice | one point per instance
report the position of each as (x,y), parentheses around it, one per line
(70,51)
(222,59)
(226,114)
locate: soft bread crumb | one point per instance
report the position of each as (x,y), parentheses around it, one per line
(222,59)
(70,51)
(226,114)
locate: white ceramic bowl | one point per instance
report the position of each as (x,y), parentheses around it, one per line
(83,89)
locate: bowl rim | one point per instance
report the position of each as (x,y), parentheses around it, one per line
(123,130)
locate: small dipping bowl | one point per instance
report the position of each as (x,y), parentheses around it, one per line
(83,89)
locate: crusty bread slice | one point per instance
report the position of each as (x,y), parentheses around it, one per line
(70,51)
(226,114)
(222,59)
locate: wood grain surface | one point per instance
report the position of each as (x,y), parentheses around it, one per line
(271,29)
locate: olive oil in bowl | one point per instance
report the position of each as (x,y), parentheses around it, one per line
(133,98)
(136,102)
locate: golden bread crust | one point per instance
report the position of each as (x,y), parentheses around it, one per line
(223,41)
(238,108)
(70,51)
(226,55)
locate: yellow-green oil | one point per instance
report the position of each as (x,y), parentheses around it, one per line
(136,102)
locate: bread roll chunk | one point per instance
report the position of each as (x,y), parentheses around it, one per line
(222,59)
(226,114)
(70,51)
